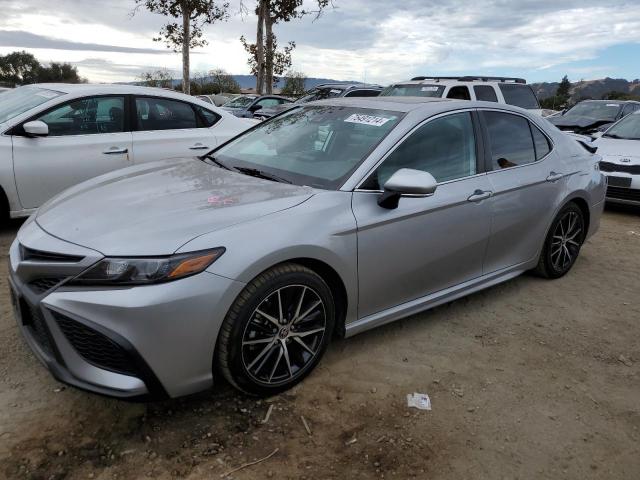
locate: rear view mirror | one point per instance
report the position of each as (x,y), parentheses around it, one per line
(407,182)
(255,108)
(36,128)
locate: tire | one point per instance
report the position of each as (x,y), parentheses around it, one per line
(562,245)
(264,352)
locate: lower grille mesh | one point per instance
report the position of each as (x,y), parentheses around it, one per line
(41,285)
(95,347)
(623,193)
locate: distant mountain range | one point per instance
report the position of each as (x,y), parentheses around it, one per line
(595,89)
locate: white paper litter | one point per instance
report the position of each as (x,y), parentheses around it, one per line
(419,400)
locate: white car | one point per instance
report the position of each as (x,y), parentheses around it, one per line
(53,136)
(506,90)
(619,148)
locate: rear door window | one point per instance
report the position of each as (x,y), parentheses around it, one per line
(519,95)
(510,140)
(485,93)
(164,114)
(459,92)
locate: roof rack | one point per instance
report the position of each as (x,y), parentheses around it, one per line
(471,78)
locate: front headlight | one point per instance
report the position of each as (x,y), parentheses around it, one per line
(145,270)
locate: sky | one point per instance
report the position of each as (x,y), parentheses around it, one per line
(377,41)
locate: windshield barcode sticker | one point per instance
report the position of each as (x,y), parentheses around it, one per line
(367,120)
(429,89)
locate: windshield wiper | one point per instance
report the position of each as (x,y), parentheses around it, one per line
(215,161)
(254,172)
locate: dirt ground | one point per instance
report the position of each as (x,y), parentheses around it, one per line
(529,379)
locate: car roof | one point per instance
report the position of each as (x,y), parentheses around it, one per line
(618,102)
(409,104)
(111,88)
(347,86)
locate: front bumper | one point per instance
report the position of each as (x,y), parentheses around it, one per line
(139,342)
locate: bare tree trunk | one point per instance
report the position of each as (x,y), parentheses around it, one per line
(268,20)
(262,9)
(186,31)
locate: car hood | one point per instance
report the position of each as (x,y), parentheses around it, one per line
(616,150)
(578,122)
(157,207)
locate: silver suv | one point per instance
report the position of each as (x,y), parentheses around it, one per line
(510,91)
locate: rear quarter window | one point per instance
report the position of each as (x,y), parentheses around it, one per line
(519,95)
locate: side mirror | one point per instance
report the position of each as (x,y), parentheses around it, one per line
(36,128)
(597,134)
(255,108)
(407,182)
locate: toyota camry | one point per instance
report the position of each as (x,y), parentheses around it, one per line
(333,218)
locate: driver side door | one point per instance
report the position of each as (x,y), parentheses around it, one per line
(426,244)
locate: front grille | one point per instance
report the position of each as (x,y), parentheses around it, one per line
(32,319)
(624,193)
(95,347)
(42,285)
(41,256)
(616,167)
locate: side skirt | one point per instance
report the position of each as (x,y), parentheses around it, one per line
(433,300)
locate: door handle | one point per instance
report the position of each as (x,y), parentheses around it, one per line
(116,151)
(480,195)
(198,146)
(554,177)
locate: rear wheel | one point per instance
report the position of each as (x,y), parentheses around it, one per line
(276,331)
(563,243)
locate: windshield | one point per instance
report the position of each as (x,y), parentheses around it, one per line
(413,90)
(599,110)
(628,128)
(239,102)
(24,99)
(318,146)
(320,94)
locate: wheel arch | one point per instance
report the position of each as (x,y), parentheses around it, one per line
(5,208)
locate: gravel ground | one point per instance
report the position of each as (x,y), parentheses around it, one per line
(529,379)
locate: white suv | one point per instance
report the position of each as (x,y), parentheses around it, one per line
(512,91)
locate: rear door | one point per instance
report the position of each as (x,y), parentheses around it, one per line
(87,137)
(169,128)
(528,183)
(430,243)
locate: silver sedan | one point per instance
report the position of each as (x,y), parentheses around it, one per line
(328,220)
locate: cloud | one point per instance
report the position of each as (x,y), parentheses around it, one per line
(381,40)
(21,39)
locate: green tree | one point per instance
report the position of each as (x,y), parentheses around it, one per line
(186,32)
(294,84)
(265,60)
(222,82)
(158,78)
(19,68)
(60,72)
(563,92)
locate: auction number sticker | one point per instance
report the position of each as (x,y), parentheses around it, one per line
(429,89)
(367,120)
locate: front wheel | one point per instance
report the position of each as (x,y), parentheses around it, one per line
(276,331)
(563,243)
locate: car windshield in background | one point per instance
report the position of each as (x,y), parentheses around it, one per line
(628,128)
(519,96)
(599,110)
(317,146)
(239,102)
(24,99)
(413,90)
(320,94)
